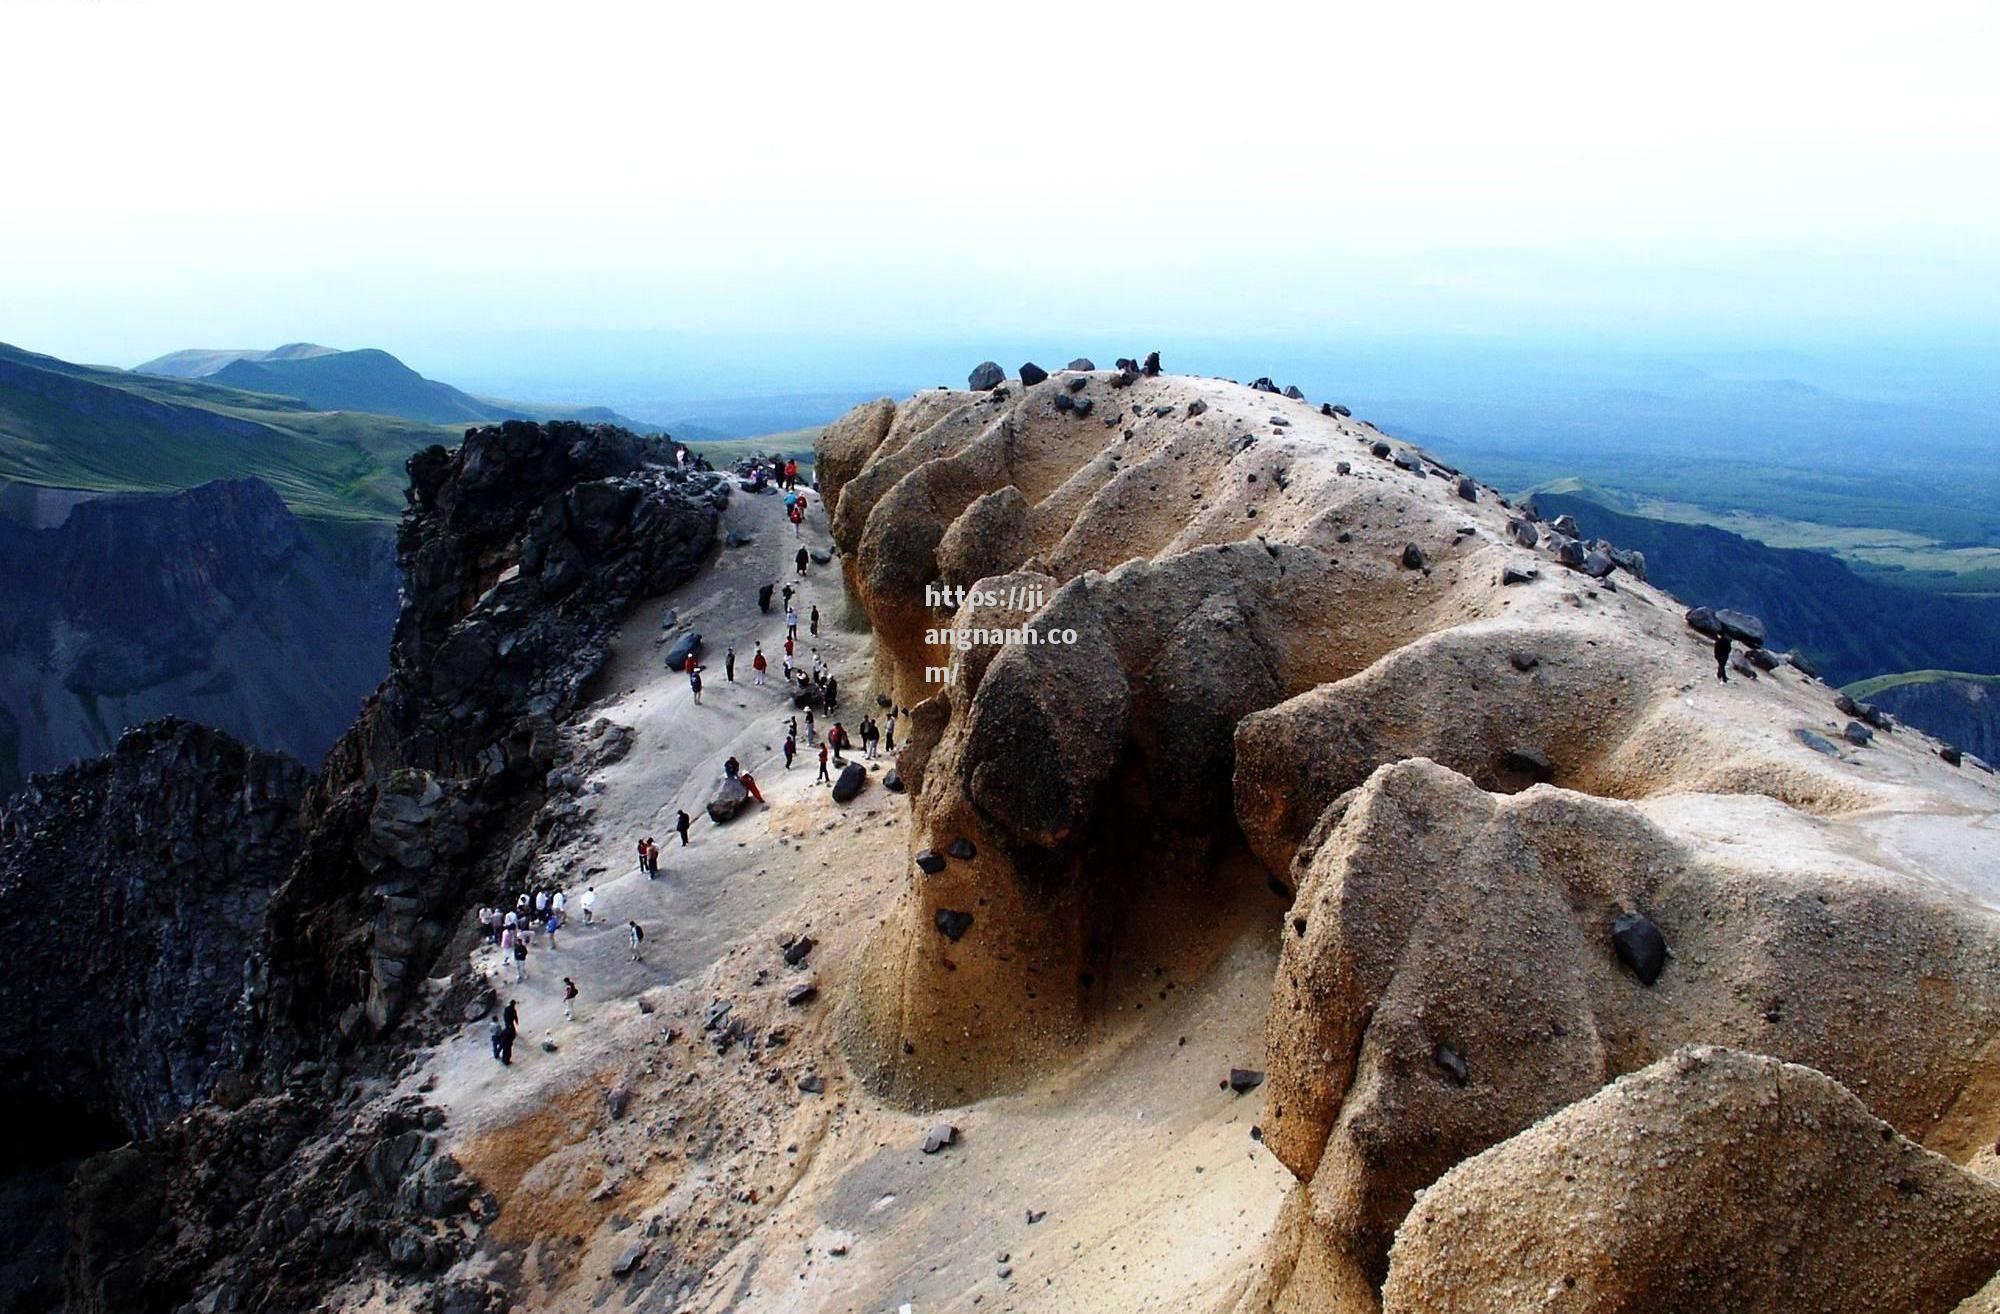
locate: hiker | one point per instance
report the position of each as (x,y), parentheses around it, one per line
(822,766)
(819,667)
(589,904)
(569,1000)
(652,858)
(729,666)
(510,1027)
(869,734)
(507,947)
(750,786)
(553,927)
(1722,658)
(486,924)
(496,1033)
(838,738)
(520,958)
(642,859)
(789,591)
(558,906)
(694,683)
(791,624)
(759,665)
(815,620)
(801,559)
(764,598)
(797,516)
(730,767)
(541,905)
(791,474)
(637,935)
(791,651)
(681,823)
(791,748)
(832,689)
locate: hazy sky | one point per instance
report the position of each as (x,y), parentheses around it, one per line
(220,174)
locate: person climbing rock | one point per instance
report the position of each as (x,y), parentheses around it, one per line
(731,767)
(637,935)
(1722,658)
(729,666)
(569,1000)
(758,665)
(823,776)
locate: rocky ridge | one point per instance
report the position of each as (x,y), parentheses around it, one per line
(1419,708)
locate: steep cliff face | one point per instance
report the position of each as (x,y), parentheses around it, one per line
(241,930)
(1962,710)
(211,604)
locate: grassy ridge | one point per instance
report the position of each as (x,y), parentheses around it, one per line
(1862,689)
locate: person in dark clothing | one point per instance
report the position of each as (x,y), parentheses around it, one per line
(791,750)
(729,666)
(1722,658)
(801,559)
(764,599)
(681,825)
(822,767)
(789,591)
(510,1027)
(815,620)
(730,767)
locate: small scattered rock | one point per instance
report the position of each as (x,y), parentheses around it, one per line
(1467,489)
(1857,734)
(929,862)
(962,849)
(801,994)
(940,1136)
(1817,742)
(812,1084)
(952,924)
(1244,1079)
(629,1261)
(1519,575)
(1449,1059)
(1082,363)
(1413,557)
(1640,945)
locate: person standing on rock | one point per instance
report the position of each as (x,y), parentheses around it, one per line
(815,620)
(569,1000)
(1722,657)
(729,666)
(759,665)
(589,904)
(681,823)
(637,935)
(801,559)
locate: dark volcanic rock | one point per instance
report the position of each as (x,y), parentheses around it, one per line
(931,863)
(1032,374)
(1081,363)
(853,777)
(986,376)
(1640,946)
(952,924)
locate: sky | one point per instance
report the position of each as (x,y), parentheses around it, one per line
(426,176)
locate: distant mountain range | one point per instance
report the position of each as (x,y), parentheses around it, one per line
(109,431)
(327,379)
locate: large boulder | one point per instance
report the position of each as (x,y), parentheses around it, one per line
(1741,626)
(986,376)
(688,645)
(726,798)
(1712,1182)
(849,784)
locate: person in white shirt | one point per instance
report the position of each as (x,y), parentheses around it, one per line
(589,904)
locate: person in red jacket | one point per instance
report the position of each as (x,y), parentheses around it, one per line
(822,766)
(759,665)
(749,783)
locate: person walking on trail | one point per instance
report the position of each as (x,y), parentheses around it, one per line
(553,926)
(694,683)
(569,1000)
(643,870)
(822,767)
(589,904)
(759,665)
(797,515)
(520,958)
(764,598)
(558,907)
(1722,658)
(801,559)
(729,666)
(681,823)
(510,1027)
(791,624)
(789,591)
(791,650)
(637,935)
(496,1033)
(815,620)
(791,750)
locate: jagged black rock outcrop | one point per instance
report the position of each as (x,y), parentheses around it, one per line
(246,932)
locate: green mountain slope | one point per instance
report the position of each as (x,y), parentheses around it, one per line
(78,426)
(200,362)
(367,380)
